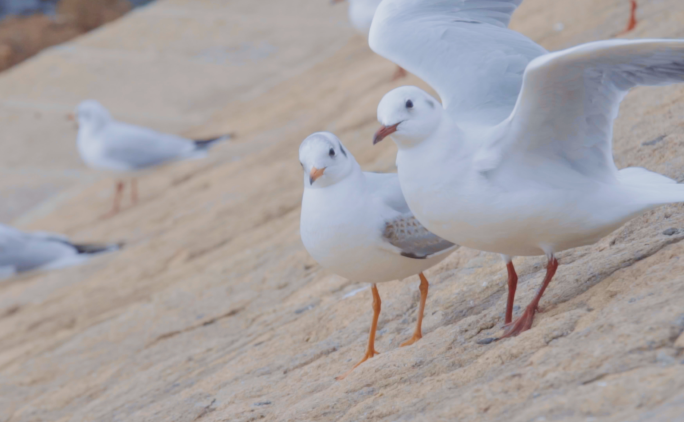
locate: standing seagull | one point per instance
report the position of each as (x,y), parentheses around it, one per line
(465,51)
(107,144)
(361,16)
(543,179)
(358,225)
(20,251)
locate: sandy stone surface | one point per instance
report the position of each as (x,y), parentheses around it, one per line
(215,312)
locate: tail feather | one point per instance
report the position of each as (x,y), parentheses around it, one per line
(651,189)
(641,176)
(95,248)
(204,144)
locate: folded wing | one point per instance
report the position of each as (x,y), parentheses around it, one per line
(402,230)
(412,239)
(462,48)
(26,251)
(138,147)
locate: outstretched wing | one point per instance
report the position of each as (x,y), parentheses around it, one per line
(570,99)
(462,48)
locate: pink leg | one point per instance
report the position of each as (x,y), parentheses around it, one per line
(524,323)
(118,193)
(399,74)
(631,24)
(512,285)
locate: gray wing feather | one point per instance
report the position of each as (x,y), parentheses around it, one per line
(414,240)
(25,251)
(140,147)
(438,39)
(571,98)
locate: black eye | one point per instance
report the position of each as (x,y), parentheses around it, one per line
(331,152)
(409,104)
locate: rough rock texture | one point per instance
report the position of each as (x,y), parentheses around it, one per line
(214,311)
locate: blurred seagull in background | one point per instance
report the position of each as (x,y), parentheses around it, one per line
(357,224)
(21,251)
(361,16)
(525,171)
(106,144)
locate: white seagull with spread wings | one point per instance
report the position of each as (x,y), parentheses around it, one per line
(518,159)
(358,225)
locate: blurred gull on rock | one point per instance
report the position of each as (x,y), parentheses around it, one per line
(106,144)
(21,251)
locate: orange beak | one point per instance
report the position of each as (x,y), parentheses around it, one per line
(315,174)
(71,117)
(384,132)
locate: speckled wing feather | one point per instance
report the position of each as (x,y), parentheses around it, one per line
(414,240)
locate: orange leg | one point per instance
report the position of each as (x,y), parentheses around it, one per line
(399,74)
(512,285)
(524,323)
(418,334)
(116,206)
(134,191)
(370,352)
(631,24)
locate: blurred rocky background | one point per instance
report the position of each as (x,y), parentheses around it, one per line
(28,26)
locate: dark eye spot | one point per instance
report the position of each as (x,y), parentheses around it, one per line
(409,104)
(331,152)
(342,149)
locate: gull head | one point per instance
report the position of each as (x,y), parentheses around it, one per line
(409,114)
(324,160)
(92,115)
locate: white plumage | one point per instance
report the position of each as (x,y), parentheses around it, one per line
(358,225)
(361,14)
(540,180)
(21,251)
(462,48)
(107,144)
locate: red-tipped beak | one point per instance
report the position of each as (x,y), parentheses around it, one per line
(71,117)
(384,132)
